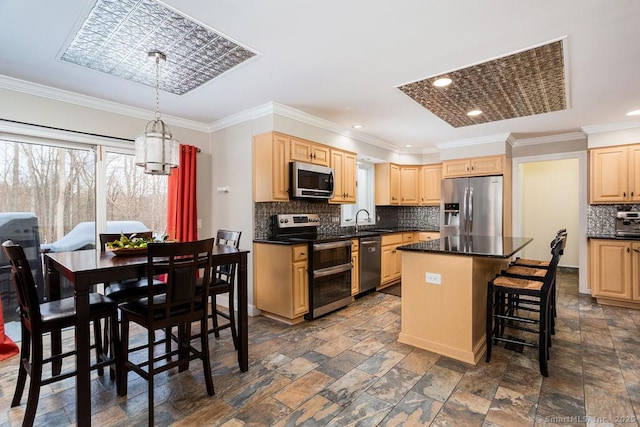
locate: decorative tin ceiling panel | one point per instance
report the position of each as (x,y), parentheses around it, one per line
(117,36)
(523,84)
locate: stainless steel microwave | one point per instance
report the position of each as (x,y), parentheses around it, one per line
(310,181)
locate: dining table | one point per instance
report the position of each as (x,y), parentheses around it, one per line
(87,268)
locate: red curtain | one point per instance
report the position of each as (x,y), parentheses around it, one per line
(182,215)
(7,347)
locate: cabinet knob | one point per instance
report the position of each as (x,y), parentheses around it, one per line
(628,250)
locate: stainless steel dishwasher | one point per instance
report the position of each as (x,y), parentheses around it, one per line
(369,270)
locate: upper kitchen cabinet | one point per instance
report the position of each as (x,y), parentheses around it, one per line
(271,167)
(614,174)
(387,181)
(430,184)
(478,166)
(343,164)
(409,185)
(310,152)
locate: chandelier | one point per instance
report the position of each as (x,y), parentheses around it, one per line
(156,150)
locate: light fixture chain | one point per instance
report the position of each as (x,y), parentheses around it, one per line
(157,87)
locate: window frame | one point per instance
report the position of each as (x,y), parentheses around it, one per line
(365,196)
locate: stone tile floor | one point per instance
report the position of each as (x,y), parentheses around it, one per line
(347,368)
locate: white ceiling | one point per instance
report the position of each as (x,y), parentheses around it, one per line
(342,60)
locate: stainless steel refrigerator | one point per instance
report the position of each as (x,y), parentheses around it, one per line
(471,206)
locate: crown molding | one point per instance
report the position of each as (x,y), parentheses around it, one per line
(502,137)
(301,116)
(610,127)
(43,91)
(569,136)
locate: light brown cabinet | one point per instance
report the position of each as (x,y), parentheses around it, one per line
(355,272)
(344,169)
(310,152)
(409,185)
(430,184)
(614,174)
(390,261)
(425,236)
(281,289)
(387,182)
(397,185)
(271,167)
(478,166)
(614,272)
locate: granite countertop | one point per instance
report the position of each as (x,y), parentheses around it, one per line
(611,236)
(350,234)
(480,246)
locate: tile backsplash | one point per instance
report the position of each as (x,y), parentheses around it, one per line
(601,218)
(427,217)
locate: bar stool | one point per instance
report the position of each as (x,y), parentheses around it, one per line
(503,309)
(527,268)
(38,319)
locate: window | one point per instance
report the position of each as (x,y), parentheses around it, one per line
(364,198)
(55,191)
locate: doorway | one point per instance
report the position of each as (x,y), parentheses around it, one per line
(549,194)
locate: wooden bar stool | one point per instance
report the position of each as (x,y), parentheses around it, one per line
(38,319)
(503,309)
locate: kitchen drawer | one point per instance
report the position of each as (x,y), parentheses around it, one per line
(424,236)
(408,238)
(299,252)
(391,239)
(354,245)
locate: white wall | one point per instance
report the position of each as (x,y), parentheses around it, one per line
(549,203)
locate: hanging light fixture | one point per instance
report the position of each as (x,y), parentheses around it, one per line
(156,150)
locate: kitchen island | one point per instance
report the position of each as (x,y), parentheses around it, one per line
(444,292)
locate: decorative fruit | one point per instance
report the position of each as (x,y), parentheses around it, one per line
(131,242)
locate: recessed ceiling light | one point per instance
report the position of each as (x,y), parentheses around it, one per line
(442,82)
(474,113)
(634,113)
(357,126)
(407,146)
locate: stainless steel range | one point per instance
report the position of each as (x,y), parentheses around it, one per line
(628,224)
(329,266)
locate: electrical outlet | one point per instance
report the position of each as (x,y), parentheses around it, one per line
(433,278)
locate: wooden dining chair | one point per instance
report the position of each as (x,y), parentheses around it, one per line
(38,319)
(129,289)
(183,302)
(223,282)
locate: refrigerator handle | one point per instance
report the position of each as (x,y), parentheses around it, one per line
(470,210)
(464,209)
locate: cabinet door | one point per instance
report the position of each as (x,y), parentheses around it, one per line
(300,150)
(635,268)
(320,155)
(609,171)
(430,184)
(397,264)
(387,264)
(409,185)
(355,273)
(280,172)
(611,261)
(487,165)
(337,163)
(349,178)
(453,168)
(394,184)
(634,173)
(300,291)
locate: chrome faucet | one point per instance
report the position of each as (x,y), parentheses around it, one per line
(368,217)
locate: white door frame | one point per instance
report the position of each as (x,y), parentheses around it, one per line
(582,204)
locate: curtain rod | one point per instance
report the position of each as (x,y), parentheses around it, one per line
(73,131)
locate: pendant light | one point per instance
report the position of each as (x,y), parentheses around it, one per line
(156,150)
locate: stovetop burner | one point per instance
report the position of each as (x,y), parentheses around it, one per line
(300,228)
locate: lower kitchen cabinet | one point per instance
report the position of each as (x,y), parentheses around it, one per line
(424,236)
(614,272)
(390,263)
(281,281)
(355,265)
